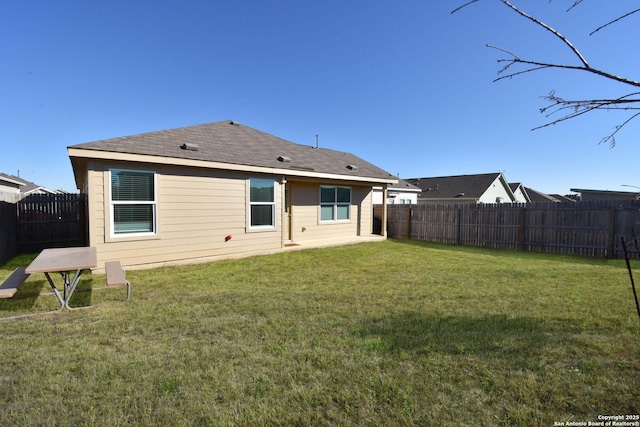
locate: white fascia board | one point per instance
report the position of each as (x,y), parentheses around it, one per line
(141,158)
(12,181)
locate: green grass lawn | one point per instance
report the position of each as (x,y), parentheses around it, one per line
(379,334)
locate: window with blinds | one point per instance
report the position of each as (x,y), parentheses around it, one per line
(262,203)
(133,204)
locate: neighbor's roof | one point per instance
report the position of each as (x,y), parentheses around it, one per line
(454,187)
(562,198)
(404,185)
(229,143)
(24,185)
(537,196)
(514,186)
(14,180)
(607,194)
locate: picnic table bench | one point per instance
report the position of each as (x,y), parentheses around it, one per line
(11,284)
(116,276)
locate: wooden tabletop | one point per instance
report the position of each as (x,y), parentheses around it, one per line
(63,259)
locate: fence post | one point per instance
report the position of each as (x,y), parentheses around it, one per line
(8,235)
(410,222)
(612,232)
(458,228)
(521,230)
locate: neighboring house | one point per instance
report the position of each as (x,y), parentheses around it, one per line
(539,197)
(589,195)
(529,195)
(562,198)
(519,192)
(219,190)
(481,188)
(14,188)
(9,188)
(402,193)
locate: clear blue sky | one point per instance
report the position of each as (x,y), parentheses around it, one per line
(404,85)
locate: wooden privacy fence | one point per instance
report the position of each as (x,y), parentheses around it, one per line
(51,221)
(8,238)
(582,228)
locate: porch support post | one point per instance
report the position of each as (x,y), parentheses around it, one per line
(284,224)
(383,226)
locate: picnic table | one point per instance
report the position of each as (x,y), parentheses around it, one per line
(70,263)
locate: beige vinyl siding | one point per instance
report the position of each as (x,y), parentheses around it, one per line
(305,216)
(365,196)
(197,208)
(195,211)
(95,185)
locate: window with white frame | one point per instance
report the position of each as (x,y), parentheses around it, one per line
(262,203)
(133,202)
(335,203)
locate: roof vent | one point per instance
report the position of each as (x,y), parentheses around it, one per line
(190,146)
(352,167)
(284,159)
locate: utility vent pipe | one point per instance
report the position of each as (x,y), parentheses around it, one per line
(190,146)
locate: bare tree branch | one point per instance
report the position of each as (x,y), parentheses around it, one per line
(611,139)
(548,28)
(579,107)
(569,109)
(540,65)
(464,5)
(575,3)
(614,21)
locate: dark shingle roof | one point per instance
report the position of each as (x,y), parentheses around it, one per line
(537,196)
(12,179)
(562,198)
(404,185)
(26,186)
(232,143)
(452,187)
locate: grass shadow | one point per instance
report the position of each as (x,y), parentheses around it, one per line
(510,253)
(36,296)
(26,298)
(515,341)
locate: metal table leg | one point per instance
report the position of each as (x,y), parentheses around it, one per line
(72,287)
(61,299)
(68,288)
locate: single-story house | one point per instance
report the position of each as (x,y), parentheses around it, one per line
(219,190)
(9,188)
(529,195)
(540,197)
(402,193)
(519,192)
(13,188)
(589,195)
(480,188)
